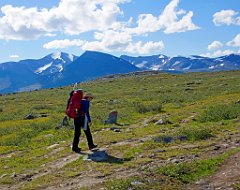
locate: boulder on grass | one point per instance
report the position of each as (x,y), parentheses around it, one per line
(112,118)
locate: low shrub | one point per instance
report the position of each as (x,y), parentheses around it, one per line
(124,184)
(220,112)
(188,172)
(141,108)
(196,133)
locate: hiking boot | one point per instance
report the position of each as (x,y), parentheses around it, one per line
(92,147)
(77,150)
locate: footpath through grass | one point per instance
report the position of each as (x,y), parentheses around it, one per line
(195,111)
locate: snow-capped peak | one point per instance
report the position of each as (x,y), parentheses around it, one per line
(161,56)
(57,55)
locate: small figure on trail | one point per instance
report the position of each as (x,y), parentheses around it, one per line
(83,120)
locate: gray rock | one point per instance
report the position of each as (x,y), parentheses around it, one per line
(182,138)
(164,139)
(217,147)
(175,161)
(113,128)
(97,156)
(30,116)
(136,183)
(13,175)
(112,118)
(65,121)
(117,130)
(160,122)
(153,156)
(160,151)
(113,101)
(2,176)
(44,115)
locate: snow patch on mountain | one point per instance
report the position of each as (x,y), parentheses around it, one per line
(211,67)
(57,55)
(41,69)
(60,67)
(187,68)
(176,63)
(155,67)
(71,57)
(142,64)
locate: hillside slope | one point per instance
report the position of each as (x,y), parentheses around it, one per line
(175,130)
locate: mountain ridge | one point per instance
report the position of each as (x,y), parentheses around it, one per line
(60,68)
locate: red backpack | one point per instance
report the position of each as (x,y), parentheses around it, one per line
(74,103)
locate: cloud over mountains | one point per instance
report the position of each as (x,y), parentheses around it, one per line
(103,17)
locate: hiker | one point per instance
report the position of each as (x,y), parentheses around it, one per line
(83,120)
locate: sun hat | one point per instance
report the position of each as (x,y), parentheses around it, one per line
(89,95)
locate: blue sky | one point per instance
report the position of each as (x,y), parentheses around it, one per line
(33,28)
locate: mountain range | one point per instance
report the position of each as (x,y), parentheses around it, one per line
(59,69)
(185,64)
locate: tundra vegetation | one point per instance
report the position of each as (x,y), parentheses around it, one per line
(176,129)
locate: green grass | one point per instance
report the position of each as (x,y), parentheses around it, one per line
(196,133)
(237,186)
(141,108)
(221,112)
(191,171)
(140,102)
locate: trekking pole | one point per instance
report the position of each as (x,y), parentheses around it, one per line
(75,86)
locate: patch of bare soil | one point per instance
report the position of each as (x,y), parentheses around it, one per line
(224,178)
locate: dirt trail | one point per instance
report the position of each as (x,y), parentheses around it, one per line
(225,178)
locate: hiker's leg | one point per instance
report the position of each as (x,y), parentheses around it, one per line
(77,132)
(89,137)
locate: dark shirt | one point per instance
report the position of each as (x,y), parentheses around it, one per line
(85,105)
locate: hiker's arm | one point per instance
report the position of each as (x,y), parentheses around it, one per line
(87,113)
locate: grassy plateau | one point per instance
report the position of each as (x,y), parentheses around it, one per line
(176,129)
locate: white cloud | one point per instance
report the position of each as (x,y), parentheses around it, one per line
(171,20)
(14,56)
(215,45)
(145,48)
(226,17)
(218,53)
(62,44)
(235,42)
(20,23)
(73,17)
(70,17)
(108,46)
(113,39)
(216,50)
(138,47)
(50,35)
(111,35)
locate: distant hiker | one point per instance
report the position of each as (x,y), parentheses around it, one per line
(83,120)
